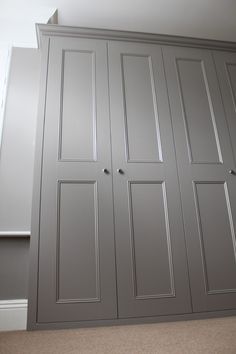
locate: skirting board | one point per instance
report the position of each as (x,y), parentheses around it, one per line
(13,315)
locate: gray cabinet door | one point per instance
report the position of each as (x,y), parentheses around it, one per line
(76,254)
(205,157)
(152,276)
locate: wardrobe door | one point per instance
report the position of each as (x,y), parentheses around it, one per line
(152,276)
(207,179)
(76,255)
(226,70)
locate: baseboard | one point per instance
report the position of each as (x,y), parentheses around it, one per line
(13,315)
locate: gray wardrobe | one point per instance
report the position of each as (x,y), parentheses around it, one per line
(134,209)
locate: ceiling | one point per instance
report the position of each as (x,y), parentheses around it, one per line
(215,19)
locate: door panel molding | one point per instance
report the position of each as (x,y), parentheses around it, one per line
(201,234)
(172,292)
(97,298)
(223,61)
(192,160)
(157,143)
(233,92)
(77,105)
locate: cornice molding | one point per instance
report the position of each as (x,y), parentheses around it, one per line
(105,34)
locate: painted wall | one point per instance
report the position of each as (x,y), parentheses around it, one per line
(17,150)
(16,171)
(14,261)
(198,18)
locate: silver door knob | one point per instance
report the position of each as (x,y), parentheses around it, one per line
(120,171)
(232,172)
(105,170)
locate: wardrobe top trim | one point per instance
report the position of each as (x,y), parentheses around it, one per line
(67,31)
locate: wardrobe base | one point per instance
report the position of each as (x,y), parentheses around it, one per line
(130,321)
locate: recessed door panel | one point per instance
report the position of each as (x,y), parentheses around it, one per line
(217,236)
(208,185)
(200,126)
(141,119)
(78,106)
(78,249)
(150,232)
(152,277)
(231,70)
(226,71)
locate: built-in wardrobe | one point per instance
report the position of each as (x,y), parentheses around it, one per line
(134,203)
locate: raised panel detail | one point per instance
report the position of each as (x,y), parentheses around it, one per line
(217,236)
(231,71)
(77,242)
(78,107)
(141,118)
(150,240)
(200,125)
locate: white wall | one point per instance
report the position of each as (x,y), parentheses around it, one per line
(16,177)
(214,19)
(17,24)
(17,151)
(5,59)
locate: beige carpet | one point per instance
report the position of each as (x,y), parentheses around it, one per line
(213,336)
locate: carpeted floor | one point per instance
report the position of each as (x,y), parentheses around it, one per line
(212,336)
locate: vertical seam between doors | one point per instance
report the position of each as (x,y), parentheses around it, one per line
(112,178)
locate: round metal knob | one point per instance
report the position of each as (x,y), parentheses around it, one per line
(232,172)
(105,170)
(120,171)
